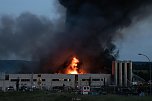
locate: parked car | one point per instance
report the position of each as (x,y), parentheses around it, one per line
(58,88)
(98,91)
(85,90)
(24,88)
(10,88)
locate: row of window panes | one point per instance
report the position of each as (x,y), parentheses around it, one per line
(92,79)
(61,79)
(25,80)
(7,76)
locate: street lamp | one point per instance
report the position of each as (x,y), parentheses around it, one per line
(149,68)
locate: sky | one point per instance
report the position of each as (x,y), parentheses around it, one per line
(39,7)
(137,38)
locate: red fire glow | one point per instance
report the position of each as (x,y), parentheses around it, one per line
(73,67)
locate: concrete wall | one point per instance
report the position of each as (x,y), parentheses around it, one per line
(94,79)
(50,80)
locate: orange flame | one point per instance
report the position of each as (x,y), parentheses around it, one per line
(72,68)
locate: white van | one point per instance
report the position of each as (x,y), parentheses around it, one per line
(85,90)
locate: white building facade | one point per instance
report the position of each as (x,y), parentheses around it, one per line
(48,81)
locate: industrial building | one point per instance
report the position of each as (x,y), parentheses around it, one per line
(121,76)
(48,81)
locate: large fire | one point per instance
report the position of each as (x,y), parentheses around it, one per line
(73,67)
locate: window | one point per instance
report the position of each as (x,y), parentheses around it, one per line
(43,79)
(76,77)
(39,75)
(95,79)
(55,79)
(85,79)
(14,80)
(67,79)
(25,80)
(34,79)
(6,77)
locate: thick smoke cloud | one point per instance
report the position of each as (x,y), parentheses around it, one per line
(28,37)
(91,30)
(25,37)
(88,33)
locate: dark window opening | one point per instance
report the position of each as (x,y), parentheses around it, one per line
(55,79)
(6,77)
(43,79)
(76,78)
(95,79)
(65,79)
(34,79)
(85,79)
(39,75)
(14,80)
(24,80)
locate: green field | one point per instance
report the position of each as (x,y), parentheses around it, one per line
(47,96)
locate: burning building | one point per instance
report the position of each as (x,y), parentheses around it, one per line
(49,81)
(72,67)
(70,77)
(88,33)
(84,46)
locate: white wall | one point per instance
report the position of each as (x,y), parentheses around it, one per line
(47,80)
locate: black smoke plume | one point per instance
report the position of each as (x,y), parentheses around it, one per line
(26,37)
(88,33)
(91,31)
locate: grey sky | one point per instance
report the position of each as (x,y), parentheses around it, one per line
(16,7)
(138,37)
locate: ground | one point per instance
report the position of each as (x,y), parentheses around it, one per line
(47,96)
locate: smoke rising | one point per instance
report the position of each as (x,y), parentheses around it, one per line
(91,29)
(88,33)
(25,37)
